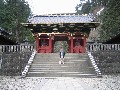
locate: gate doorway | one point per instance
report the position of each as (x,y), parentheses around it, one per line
(51,43)
(60,41)
(58,44)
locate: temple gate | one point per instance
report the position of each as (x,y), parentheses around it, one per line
(47,29)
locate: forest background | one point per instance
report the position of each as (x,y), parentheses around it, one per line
(14,12)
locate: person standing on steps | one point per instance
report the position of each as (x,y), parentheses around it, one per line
(62,55)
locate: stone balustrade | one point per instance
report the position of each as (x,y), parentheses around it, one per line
(94,64)
(16,48)
(106,57)
(13,58)
(0,60)
(103,47)
(25,71)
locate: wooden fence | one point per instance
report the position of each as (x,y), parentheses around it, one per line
(103,47)
(16,48)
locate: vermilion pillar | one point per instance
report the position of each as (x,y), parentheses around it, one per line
(50,43)
(71,44)
(37,42)
(84,43)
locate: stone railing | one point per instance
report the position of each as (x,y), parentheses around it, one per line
(94,64)
(25,71)
(16,48)
(13,58)
(103,47)
(0,60)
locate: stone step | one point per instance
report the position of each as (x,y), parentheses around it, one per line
(58,54)
(61,67)
(69,65)
(59,57)
(56,62)
(55,66)
(66,60)
(65,68)
(60,74)
(52,68)
(62,70)
(47,65)
(70,57)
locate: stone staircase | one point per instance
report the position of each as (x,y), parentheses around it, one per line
(76,65)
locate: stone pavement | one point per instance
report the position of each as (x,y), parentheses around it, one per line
(107,82)
(63,84)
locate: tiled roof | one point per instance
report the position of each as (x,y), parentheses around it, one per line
(55,19)
(6,38)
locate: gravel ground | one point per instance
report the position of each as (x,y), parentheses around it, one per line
(107,82)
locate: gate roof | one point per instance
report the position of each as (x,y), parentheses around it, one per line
(5,38)
(60,19)
(62,22)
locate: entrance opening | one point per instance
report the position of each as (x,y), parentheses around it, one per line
(60,41)
(59,44)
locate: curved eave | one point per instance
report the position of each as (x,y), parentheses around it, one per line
(81,24)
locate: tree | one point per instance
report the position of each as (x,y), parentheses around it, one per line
(111,20)
(13,13)
(86,8)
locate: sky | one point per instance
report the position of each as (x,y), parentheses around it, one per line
(40,7)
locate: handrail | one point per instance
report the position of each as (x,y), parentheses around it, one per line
(25,71)
(0,61)
(16,48)
(97,70)
(104,47)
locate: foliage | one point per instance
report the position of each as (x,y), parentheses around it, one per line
(110,19)
(12,13)
(86,8)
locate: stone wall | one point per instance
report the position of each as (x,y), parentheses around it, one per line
(108,61)
(13,63)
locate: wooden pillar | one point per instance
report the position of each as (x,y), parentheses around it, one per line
(71,44)
(37,42)
(50,43)
(68,42)
(84,43)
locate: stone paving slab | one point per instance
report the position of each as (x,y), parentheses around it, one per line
(63,84)
(107,82)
